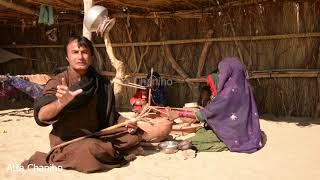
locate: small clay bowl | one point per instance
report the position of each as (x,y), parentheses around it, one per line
(168,147)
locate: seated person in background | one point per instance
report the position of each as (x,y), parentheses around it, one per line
(158,96)
(232,115)
(205,96)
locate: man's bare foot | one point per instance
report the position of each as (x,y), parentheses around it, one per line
(130,157)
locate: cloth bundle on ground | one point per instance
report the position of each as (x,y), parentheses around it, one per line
(207,141)
(32,89)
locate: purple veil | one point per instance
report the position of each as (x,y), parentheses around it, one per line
(233,114)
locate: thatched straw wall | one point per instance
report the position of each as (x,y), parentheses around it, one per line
(280,96)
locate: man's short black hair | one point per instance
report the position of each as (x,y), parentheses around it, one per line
(82,42)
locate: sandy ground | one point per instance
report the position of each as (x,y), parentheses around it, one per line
(291,152)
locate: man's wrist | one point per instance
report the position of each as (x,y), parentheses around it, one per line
(60,105)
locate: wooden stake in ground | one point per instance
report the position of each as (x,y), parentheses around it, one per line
(150,88)
(117,64)
(87,4)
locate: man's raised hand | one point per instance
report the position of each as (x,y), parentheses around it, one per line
(64,95)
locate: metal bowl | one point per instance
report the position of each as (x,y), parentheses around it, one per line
(95,16)
(169,147)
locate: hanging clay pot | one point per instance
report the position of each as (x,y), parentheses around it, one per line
(156,130)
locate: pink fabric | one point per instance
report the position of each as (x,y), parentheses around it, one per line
(186,113)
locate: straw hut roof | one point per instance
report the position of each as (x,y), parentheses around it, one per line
(26,11)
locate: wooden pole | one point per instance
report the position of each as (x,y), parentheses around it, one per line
(18,7)
(117,64)
(317,109)
(286,73)
(184,41)
(125,4)
(179,69)
(204,53)
(99,133)
(283,73)
(141,58)
(174,63)
(87,4)
(133,52)
(150,88)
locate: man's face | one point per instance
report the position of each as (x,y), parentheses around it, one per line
(79,58)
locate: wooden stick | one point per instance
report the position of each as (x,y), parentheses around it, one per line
(160,107)
(87,4)
(144,112)
(252,75)
(284,73)
(125,4)
(117,64)
(18,7)
(156,109)
(179,69)
(191,4)
(129,34)
(186,127)
(130,85)
(204,52)
(141,58)
(181,41)
(103,131)
(174,63)
(150,89)
(236,42)
(137,85)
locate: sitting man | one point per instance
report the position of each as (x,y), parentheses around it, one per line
(76,102)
